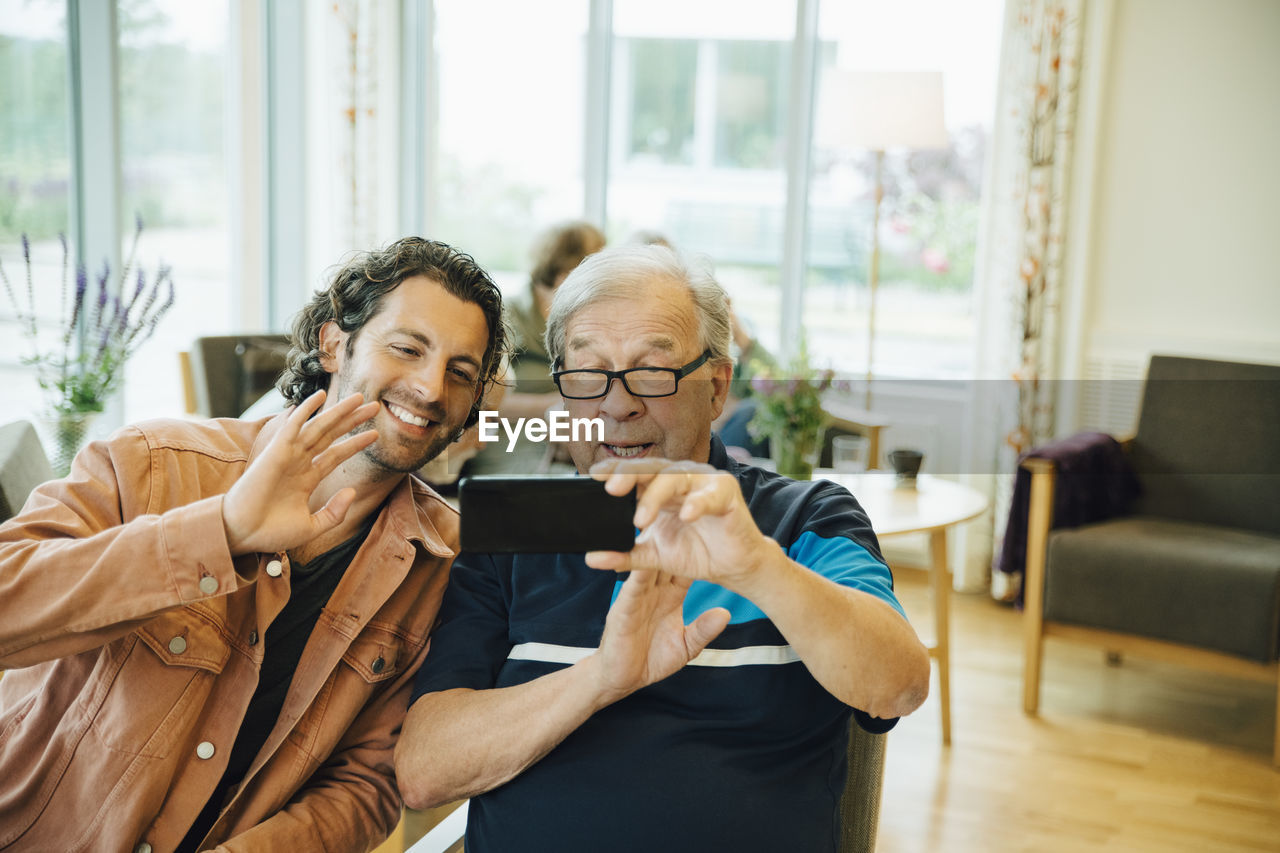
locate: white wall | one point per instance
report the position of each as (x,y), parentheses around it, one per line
(1185,228)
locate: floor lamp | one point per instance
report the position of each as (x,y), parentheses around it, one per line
(874,111)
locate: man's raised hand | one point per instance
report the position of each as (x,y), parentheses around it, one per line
(269,507)
(693,519)
(645,638)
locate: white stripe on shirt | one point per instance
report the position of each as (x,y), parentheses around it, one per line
(745,656)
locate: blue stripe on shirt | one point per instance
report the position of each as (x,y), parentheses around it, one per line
(847,563)
(838,559)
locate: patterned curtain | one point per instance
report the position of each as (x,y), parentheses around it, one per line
(352,41)
(1040,71)
(1045,110)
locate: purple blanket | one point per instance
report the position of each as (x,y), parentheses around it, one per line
(1094,483)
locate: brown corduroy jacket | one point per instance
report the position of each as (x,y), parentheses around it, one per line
(129,636)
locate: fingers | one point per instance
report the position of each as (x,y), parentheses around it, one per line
(334,511)
(303,411)
(610,561)
(622,475)
(677,484)
(331,457)
(704,629)
(336,421)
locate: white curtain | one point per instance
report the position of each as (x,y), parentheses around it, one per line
(1022,268)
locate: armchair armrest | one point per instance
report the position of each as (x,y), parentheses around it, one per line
(1081,479)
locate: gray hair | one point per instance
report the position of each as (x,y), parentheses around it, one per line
(629,271)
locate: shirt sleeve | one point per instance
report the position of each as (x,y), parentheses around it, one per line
(88,559)
(837,542)
(472,639)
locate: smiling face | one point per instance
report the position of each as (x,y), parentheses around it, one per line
(420,357)
(660,330)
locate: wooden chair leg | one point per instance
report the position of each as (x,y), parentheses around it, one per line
(1039,516)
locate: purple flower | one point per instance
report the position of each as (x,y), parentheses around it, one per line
(82,284)
(762,384)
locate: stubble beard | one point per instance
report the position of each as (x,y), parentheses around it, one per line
(381,464)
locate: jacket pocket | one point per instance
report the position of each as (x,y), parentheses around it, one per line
(378,654)
(167,672)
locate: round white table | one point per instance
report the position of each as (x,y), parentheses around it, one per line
(934,506)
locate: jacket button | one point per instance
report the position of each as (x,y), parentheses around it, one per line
(208,584)
(205,750)
(379,665)
(275,568)
(253,638)
(178,645)
(144,847)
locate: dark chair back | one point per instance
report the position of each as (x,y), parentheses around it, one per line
(1208,443)
(232,371)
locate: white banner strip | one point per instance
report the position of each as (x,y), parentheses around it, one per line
(745,656)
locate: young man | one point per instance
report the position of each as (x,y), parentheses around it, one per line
(577,708)
(212,627)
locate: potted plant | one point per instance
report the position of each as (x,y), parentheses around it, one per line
(102,324)
(789,412)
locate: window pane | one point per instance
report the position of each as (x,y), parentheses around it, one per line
(661,74)
(510,127)
(721,191)
(924,317)
(173,73)
(35,175)
(751,104)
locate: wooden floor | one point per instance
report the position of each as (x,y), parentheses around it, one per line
(1137,757)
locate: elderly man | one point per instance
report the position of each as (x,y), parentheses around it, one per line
(576,706)
(212,628)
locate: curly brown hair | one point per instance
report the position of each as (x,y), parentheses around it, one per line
(355,295)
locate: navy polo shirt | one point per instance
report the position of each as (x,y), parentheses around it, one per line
(740,750)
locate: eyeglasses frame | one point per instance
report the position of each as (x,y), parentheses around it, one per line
(610,375)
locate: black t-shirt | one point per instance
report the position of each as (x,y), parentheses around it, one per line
(310,586)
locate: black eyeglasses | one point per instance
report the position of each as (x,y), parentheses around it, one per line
(639,381)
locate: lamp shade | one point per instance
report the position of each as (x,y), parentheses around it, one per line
(876,110)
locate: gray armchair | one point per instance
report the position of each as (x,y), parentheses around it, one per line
(1193,575)
(23,466)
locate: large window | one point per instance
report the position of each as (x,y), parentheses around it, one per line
(510,88)
(928,226)
(699,137)
(173,127)
(35,176)
(171,108)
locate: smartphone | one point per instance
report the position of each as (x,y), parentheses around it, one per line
(533,515)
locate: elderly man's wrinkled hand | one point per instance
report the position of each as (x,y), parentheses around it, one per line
(693,521)
(645,638)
